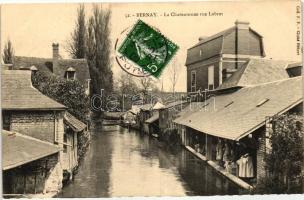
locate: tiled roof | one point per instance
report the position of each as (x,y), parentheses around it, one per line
(19,94)
(46,65)
(18,149)
(235,115)
(73,122)
(153,118)
(257,71)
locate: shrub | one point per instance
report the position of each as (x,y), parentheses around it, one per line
(67,92)
(284,162)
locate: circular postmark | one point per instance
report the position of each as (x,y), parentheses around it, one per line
(123,62)
(144,50)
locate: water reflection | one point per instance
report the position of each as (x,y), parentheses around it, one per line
(126,163)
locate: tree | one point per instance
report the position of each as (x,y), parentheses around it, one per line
(8,53)
(77,43)
(284,162)
(98,50)
(174,69)
(146,83)
(127,85)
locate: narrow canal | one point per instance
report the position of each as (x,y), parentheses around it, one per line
(126,163)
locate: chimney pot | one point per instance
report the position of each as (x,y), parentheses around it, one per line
(241,24)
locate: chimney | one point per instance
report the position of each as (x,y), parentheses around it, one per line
(241,24)
(242,45)
(55,57)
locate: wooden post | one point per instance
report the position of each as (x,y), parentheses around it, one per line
(35,183)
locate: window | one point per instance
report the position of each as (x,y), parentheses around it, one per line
(193,81)
(200,52)
(211,77)
(70,73)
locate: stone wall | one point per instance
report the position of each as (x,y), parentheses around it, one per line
(261,152)
(40,176)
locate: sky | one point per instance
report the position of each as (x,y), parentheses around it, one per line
(33,28)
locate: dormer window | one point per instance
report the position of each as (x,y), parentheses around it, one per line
(33,68)
(70,74)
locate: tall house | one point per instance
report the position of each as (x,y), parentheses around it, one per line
(214,59)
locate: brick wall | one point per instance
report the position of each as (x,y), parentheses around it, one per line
(38,124)
(202,73)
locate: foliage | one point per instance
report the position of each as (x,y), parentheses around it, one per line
(77,43)
(127,85)
(91,40)
(98,50)
(8,53)
(283,164)
(67,92)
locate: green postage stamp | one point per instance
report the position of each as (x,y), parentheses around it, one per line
(148,48)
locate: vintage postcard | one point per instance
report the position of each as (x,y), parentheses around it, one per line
(151,99)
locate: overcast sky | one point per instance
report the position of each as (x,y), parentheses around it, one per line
(33,28)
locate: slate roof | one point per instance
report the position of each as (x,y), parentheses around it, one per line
(213,45)
(238,114)
(257,71)
(73,122)
(46,65)
(153,118)
(18,149)
(19,94)
(212,37)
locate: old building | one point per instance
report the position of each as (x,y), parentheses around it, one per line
(151,125)
(71,69)
(166,116)
(238,116)
(30,166)
(27,111)
(214,59)
(73,127)
(35,117)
